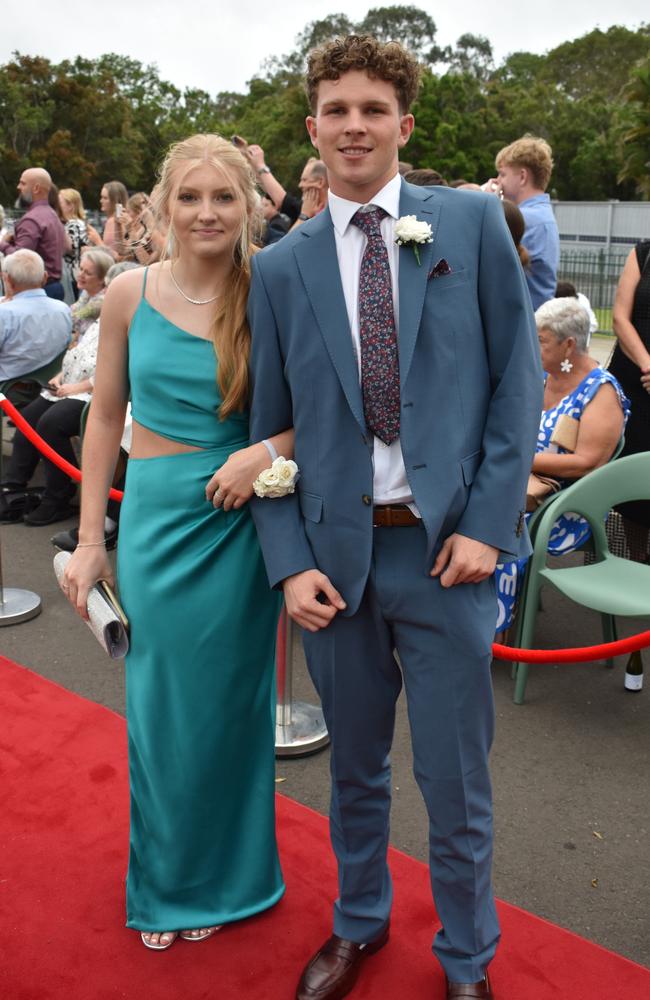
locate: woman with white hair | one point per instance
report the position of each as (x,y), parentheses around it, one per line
(93,268)
(585,411)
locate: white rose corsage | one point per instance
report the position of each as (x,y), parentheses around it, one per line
(277,481)
(409,231)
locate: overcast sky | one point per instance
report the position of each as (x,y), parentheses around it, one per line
(219,46)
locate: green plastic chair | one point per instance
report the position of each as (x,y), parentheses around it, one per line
(83,420)
(40,375)
(536,516)
(611,585)
(533,523)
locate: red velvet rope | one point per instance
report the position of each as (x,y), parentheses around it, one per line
(44,447)
(581,654)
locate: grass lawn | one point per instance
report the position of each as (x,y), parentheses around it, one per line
(604,317)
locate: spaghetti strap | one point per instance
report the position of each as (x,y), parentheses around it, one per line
(144,281)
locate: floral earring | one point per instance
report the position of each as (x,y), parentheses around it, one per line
(566,366)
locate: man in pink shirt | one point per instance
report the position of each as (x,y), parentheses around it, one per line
(40,228)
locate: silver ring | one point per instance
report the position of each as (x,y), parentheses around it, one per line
(219,495)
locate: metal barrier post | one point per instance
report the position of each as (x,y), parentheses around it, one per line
(16,605)
(299,727)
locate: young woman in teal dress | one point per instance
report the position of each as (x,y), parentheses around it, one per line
(199,671)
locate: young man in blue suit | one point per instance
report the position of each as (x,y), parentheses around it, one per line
(411,375)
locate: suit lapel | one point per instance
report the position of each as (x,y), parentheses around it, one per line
(413,278)
(317,263)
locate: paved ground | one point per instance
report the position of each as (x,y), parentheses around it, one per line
(571,767)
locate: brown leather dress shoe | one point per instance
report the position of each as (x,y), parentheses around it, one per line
(333,970)
(459,991)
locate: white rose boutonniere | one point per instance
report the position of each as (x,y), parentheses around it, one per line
(409,231)
(277,481)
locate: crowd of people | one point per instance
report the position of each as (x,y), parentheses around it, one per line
(402,369)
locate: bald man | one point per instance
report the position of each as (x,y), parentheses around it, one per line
(40,228)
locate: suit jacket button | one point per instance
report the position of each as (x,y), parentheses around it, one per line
(366,499)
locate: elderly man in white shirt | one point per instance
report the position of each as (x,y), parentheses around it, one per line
(34,329)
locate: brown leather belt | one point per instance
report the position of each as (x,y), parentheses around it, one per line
(393,516)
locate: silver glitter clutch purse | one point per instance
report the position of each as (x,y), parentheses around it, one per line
(106,619)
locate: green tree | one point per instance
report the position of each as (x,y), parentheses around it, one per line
(26,111)
(635,142)
(598,63)
(472,54)
(91,120)
(318,32)
(410,25)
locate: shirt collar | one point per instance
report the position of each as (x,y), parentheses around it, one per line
(342,210)
(38,202)
(29,293)
(536,199)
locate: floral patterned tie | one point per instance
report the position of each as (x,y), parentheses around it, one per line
(377,335)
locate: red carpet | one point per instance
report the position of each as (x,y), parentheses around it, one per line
(63,845)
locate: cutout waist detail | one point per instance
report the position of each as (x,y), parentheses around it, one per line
(147,443)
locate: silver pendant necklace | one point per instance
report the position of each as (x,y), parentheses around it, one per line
(195,302)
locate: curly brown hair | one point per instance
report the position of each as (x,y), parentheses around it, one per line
(387,61)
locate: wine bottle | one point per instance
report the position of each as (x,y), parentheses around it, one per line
(634,672)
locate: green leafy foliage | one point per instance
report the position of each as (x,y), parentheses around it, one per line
(90,121)
(635,138)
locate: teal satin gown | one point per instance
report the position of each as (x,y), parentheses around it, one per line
(200,671)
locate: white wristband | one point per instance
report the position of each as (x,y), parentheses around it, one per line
(271,450)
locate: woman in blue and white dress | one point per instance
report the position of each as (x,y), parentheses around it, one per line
(585,412)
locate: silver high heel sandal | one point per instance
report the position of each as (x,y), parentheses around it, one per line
(202,935)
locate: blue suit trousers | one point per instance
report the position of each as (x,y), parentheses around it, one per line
(442,638)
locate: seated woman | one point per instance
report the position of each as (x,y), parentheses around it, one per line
(585,411)
(56,415)
(93,268)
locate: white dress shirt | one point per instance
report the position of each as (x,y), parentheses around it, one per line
(33,330)
(390,484)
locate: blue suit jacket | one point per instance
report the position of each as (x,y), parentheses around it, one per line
(471,390)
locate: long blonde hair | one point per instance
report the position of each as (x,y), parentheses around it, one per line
(230,331)
(72,196)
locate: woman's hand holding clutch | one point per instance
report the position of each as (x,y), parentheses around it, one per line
(88,564)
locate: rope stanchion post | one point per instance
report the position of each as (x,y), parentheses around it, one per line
(299,727)
(16,605)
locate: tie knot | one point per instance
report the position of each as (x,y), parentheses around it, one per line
(369,222)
